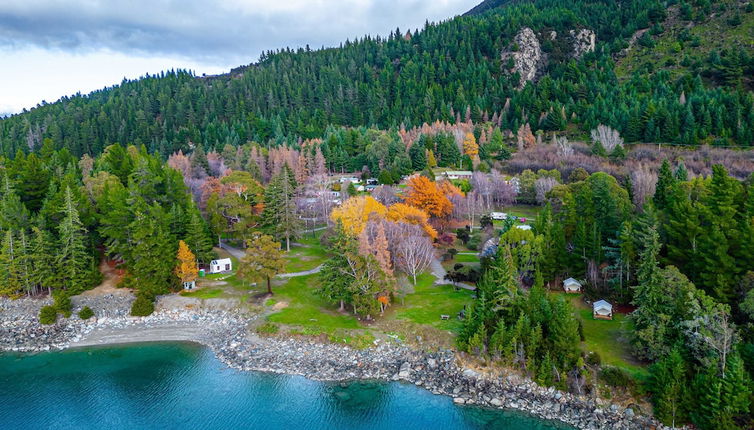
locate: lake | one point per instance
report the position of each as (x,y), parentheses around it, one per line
(183,386)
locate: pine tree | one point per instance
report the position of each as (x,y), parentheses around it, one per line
(198,238)
(43,273)
(280,218)
(668,386)
(151,262)
(665,183)
(73,262)
(10,276)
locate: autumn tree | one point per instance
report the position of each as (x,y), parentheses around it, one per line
(470,146)
(354,213)
(186,269)
(263,260)
(426,195)
(401,212)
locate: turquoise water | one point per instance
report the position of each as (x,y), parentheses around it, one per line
(183,386)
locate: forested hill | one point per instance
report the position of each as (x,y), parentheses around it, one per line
(449,71)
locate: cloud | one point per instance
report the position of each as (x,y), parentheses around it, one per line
(230,31)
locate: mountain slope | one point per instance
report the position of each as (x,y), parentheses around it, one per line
(446,71)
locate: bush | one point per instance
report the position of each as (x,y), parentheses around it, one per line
(593,359)
(142,307)
(63,304)
(615,377)
(86,313)
(268,328)
(463,235)
(48,315)
(474,242)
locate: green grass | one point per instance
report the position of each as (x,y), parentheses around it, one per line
(606,337)
(467,258)
(204,293)
(305,308)
(428,302)
(304,258)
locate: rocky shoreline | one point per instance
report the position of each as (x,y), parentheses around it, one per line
(227,334)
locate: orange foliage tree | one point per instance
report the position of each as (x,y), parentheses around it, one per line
(354,213)
(401,212)
(427,196)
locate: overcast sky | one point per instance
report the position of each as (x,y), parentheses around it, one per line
(52,48)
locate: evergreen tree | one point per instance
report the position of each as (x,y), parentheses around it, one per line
(280,218)
(73,261)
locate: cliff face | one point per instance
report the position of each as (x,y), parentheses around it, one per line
(525,55)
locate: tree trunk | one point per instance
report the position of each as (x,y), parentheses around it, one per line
(342,306)
(269,285)
(288,243)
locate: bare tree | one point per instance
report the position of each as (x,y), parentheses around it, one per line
(565,148)
(318,188)
(609,138)
(643,183)
(472,206)
(712,331)
(483,186)
(386,195)
(503,192)
(413,250)
(543,186)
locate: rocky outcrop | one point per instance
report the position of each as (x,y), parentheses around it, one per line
(582,41)
(526,54)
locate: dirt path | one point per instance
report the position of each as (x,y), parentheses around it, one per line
(109,283)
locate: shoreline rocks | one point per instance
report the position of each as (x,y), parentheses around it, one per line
(227,335)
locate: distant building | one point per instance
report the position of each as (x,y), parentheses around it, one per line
(372,181)
(499,216)
(523,227)
(602,310)
(458,174)
(353,179)
(571,285)
(220,266)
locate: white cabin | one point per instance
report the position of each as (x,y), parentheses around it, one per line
(458,174)
(220,266)
(499,216)
(571,285)
(602,310)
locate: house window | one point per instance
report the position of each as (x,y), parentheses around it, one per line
(227,267)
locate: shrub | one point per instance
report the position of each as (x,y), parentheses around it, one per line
(48,315)
(593,359)
(63,304)
(474,242)
(142,307)
(615,377)
(268,328)
(86,313)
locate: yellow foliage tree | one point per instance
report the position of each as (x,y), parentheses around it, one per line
(425,195)
(450,190)
(354,213)
(431,160)
(186,269)
(470,146)
(401,212)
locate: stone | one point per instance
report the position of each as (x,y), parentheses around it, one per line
(526,54)
(459,400)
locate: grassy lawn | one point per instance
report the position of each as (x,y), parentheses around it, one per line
(428,302)
(467,258)
(606,337)
(203,293)
(304,258)
(305,308)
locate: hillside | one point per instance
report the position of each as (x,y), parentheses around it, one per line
(714,43)
(448,71)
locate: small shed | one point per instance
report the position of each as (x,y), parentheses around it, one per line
(571,285)
(189,285)
(220,266)
(602,310)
